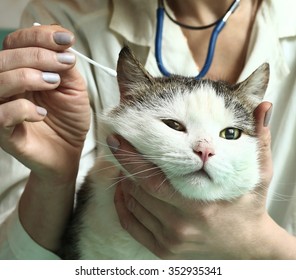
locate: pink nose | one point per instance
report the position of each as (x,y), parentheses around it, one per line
(204,151)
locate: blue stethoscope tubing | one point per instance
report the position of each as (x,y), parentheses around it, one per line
(212,44)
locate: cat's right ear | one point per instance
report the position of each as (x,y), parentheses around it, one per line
(256,84)
(130,74)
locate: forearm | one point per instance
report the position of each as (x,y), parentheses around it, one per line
(45,208)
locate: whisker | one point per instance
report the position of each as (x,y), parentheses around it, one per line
(168,163)
(165,157)
(136,175)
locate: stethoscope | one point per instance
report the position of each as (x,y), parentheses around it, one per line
(219,25)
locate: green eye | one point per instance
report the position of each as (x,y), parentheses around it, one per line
(175,125)
(230,133)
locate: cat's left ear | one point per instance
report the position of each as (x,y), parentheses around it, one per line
(131,74)
(254,87)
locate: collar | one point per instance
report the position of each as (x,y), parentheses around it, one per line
(284,17)
(274,23)
(139,19)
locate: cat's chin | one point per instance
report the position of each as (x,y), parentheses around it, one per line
(194,185)
(198,185)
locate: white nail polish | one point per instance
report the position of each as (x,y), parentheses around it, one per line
(51,78)
(113,143)
(267,117)
(41,111)
(66,58)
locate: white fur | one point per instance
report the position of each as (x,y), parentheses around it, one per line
(233,169)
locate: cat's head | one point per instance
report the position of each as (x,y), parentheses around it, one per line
(201,133)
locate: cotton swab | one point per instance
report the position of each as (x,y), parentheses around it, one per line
(108,70)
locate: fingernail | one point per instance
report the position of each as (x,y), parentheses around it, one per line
(113,143)
(51,78)
(66,58)
(41,111)
(267,116)
(63,38)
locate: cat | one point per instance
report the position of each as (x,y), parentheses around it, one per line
(201,133)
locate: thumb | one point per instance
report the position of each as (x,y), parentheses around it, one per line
(262,116)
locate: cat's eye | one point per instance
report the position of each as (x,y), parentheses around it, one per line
(174,125)
(231,133)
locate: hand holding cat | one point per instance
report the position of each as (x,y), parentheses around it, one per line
(262,116)
(174,227)
(36,72)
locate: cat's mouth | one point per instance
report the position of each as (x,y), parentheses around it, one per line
(201,173)
(204,173)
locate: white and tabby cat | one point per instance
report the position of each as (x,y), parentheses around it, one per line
(201,133)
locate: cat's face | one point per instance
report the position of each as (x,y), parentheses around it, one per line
(200,133)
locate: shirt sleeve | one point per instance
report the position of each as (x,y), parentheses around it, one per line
(16,244)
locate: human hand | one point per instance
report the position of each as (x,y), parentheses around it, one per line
(44,107)
(174,227)
(44,118)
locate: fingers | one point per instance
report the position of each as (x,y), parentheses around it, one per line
(16,112)
(141,225)
(262,116)
(130,223)
(161,229)
(24,80)
(37,58)
(52,37)
(34,59)
(138,200)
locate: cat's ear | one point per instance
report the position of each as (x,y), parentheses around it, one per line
(254,87)
(130,73)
